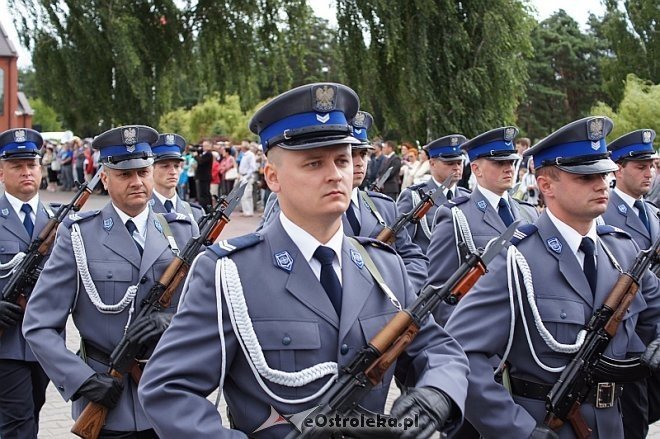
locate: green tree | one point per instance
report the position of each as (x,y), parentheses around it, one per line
(564,76)
(633,43)
(208,119)
(45,116)
(27,82)
(639,108)
(103,64)
(428,68)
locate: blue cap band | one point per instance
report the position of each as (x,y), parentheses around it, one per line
(583,148)
(19,148)
(166,149)
(446,151)
(301,120)
(636,149)
(360,134)
(486,148)
(120,150)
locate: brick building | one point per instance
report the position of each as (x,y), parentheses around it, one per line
(15,110)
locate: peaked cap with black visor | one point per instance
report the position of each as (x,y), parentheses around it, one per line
(361,123)
(126,147)
(309,116)
(20,143)
(577,148)
(636,145)
(168,147)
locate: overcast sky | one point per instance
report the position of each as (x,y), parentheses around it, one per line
(578,9)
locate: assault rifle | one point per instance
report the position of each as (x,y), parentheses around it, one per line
(377,185)
(582,373)
(25,274)
(370,364)
(124,358)
(428,199)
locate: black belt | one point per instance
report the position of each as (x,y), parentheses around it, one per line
(94,353)
(603,395)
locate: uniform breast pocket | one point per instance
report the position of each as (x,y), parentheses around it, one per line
(7,250)
(562,317)
(288,345)
(111,279)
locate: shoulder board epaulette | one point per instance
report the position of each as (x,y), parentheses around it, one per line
(228,246)
(524,202)
(606,229)
(651,203)
(464,189)
(174,217)
(417,186)
(456,201)
(523,232)
(77,217)
(371,242)
(374,194)
(196,206)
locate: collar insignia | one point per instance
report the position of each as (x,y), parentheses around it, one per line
(555,245)
(356,257)
(481,204)
(107,224)
(622,208)
(284,261)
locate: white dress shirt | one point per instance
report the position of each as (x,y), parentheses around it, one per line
(573,238)
(140,222)
(307,245)
(17,204)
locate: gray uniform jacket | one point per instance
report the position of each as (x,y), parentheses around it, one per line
(181,207)
(114,264)
(14,239)
(620,215)
(405,204)
(296,326)
(485,224)
(413,257)
(565,303)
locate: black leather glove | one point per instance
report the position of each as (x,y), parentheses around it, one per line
(102,388)
(651,357)
(543,432)
(149,328)
(10,314)
(430,407)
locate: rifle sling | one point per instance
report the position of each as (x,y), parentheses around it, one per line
(373,270)
(367,199)
(167,231)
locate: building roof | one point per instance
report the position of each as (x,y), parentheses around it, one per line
(24,107)
(7,48)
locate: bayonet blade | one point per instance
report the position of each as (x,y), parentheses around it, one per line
(381,181)
(234,198)
(496,245)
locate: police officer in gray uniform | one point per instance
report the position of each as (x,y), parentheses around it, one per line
(369,212)
(561,269)
(167,169)
(102,266)
(22,216)
(446,158)
(628,210)
(485,214)
(274,342)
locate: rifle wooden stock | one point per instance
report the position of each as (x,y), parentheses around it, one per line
(623,293)
(578,424)
(92,419)
(386,235)
(392,340)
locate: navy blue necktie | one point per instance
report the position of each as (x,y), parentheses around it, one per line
(587,247)
(639,204)
(132,228)
(449,195)
(329,279)
(504,212)
(27,221)
(352,220)
(169,206)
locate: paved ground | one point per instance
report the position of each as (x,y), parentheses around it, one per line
(56,416)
